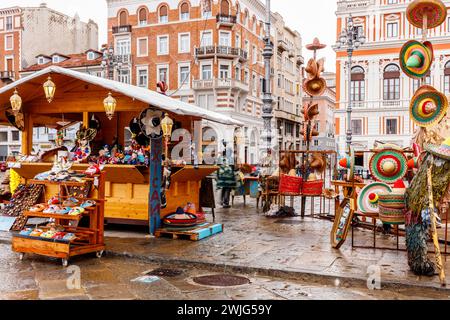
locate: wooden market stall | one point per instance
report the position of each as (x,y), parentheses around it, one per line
(80,96)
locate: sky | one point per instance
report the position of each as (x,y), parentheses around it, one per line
(312,18)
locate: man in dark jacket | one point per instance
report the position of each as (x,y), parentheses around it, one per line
(226,180)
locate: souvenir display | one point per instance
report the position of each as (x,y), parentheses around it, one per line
(428,106)
(388,166)
(315,85)
(368,198)
(442,151)
(416,58)
(426,13)
(83,149)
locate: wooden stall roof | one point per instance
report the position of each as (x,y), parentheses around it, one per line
(68,83)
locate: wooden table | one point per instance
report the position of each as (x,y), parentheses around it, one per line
(345,185)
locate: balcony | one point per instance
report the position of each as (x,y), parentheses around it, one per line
(122,29)
(282,46)
(123,58)
(291,53)
(226,20)
(7,75)
(221,52)
(300,60)
(219,84)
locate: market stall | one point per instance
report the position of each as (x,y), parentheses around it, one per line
(108,113)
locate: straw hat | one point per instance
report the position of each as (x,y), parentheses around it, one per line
(416,58)
(315,87)
(388,166)
(435,11)
(442,151)
(369,195)
(311,111)
(428,106)
(318,162)
(316,45)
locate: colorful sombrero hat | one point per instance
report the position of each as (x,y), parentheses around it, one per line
(434,10)
(416,58)
(368,197)
(428,106)
(388,166)
(442,151)
(315,87)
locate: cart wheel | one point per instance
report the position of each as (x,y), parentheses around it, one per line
(21,256)
(65,262)
(99,254)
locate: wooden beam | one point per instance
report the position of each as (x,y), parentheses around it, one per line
(27,135)
(86,119)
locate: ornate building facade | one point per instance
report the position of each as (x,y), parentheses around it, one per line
(209,53)
(380,91)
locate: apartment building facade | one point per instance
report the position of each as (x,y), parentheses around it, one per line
(209,52)
(380,91)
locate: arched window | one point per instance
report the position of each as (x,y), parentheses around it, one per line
(447,78)
(391,83)
(142,16)
(417,82)
(238,13)
(245,18)
(163,14)
(184,11)
(358,84)
(225,8)
(123,18)
(254,24)
(206,9)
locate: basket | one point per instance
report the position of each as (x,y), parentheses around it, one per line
(392,200)
(313,188)
(394,216)
(290,185)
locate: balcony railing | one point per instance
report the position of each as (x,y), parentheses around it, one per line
(225,19)
(219,84)
(378,104)
(282,45)
(124,58)
(222,51)
(5,75)
(122,29)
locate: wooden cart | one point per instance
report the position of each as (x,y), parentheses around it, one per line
(88,239)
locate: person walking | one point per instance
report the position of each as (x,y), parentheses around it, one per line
(226,181)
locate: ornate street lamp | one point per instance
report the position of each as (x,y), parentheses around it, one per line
(111,62)
(110,106)
(167,126)
(49,89)
(16,102)
(351,39)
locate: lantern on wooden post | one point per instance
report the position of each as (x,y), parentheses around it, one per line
(167,126)
(16,102)
(110,106)
(49,89)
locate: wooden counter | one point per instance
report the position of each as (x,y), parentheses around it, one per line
(127,188)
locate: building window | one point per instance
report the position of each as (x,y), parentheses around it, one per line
(358,84)
(237,75)
(245,18)
(392,30)
(224,71)
(142,47)
(206,72)
(417,82)
(142,17)
(447,78)
(184,43)
(206,10)
(225,7)
(224,39)
(237,41)
(206,39)
(55,59)
(163,14)
(123,46)
(254,55)
(391,82)
(357,127)
(9,64)
(15,135)
(9,42)
(3,136)
(9,23)
(183,76)
(184,11)
(124,76)
(123,18)
(391,126)
(163,45)
(142,75)
(90,55)
(392,1)
(163,72)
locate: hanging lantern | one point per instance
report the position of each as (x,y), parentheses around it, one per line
(49,89)
(16,102)
(110,106)
(167,125)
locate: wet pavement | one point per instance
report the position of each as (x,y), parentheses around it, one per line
(287,258)
(89,278)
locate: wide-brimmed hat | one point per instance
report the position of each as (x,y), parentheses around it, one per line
(316,45)
(434,10)
(369,195)
(318,162)
(315,87)
(442,151)
(311,111)
(428,106)
(416,58)
(388,166)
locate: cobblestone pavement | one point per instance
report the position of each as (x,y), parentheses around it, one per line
(112,278)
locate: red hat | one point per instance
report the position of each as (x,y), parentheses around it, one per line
(399,185)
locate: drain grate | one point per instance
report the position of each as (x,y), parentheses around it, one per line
(221,280)
(168,273)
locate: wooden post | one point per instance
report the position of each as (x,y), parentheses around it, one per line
(27,135)
(86,119)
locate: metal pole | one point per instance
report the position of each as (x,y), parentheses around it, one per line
(267,98)
(349,107)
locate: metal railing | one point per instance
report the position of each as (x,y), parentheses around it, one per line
(377,104)
(225,18)
(219,84)
(122,29)
(222,51)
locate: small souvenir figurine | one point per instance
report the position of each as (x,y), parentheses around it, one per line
(141,157)
(83,150)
